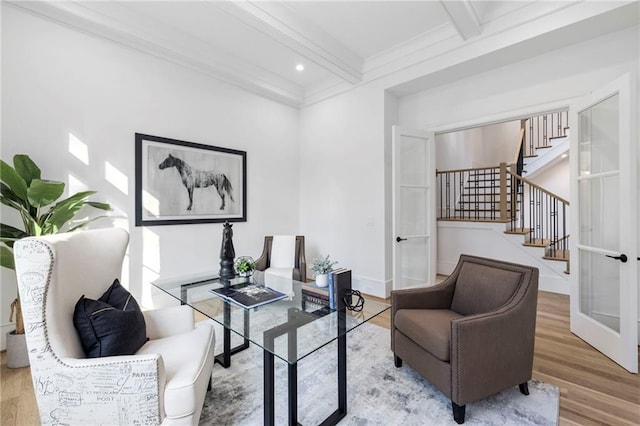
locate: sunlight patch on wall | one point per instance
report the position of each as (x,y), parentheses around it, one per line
(150,263)
(150,204)
(116,178)
(116,215)
(78,149)
(75,185)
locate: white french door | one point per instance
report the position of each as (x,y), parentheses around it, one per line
(604,269)
(414,220)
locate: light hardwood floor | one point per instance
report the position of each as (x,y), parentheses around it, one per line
(593,389)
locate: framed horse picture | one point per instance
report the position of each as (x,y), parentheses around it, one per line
(180,182)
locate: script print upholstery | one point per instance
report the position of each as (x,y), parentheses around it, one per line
(80,391)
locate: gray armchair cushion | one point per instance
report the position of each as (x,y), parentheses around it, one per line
(428,328)
(482,288)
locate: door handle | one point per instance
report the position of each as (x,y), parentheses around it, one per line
(398,239)
(622,258)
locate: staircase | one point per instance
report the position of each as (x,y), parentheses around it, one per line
(500,194)
(546,140)
(480,197)
(496,194)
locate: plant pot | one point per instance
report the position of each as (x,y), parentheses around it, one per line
(322,280)
(17,353)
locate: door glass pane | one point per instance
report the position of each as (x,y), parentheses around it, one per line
(598,204)
(599,225)
(599,288)
(414,264)
(413,211)
(413,161)
(598,137)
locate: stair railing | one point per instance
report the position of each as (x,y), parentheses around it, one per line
(498,194)
(542,128)
(540,214)
(477,193)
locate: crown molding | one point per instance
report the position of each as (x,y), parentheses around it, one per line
(429,54)
(303,37)
(123,26)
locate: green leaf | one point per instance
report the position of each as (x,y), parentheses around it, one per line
(13,180)
(79,197)
(37,229)
(13,204)
(44,192)
(61,214)
(63,211)
(6,258)
(101,206)
(26,168)
(9,234)
(6,192)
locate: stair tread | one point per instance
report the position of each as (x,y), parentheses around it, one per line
(544,147)
(467,219)
(537,242)
(560,259)
(518,231)
(558,137)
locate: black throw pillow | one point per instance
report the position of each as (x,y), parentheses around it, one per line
(112,325)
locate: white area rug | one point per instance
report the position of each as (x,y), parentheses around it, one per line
(378,392)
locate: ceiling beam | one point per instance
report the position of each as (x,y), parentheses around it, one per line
(280,23)
(463,17)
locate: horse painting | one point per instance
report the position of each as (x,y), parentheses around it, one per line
(194,178)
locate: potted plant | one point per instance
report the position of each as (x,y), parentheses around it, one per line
(22,189)
(244,266)
(321,267)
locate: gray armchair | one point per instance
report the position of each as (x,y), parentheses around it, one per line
(473,334)
(284,256)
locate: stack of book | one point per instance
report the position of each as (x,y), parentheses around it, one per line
(331,296)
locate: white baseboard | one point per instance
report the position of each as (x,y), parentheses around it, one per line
(372,287)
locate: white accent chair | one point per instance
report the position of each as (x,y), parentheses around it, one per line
(165,382)
(283,255)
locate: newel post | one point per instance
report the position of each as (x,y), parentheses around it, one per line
(503,192)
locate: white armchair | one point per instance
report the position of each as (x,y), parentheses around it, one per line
(283,255)
(165,382)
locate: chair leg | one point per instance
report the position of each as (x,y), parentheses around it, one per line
(397,361)
(524,388)
(458,412)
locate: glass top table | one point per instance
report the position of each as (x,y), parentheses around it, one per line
(289,329)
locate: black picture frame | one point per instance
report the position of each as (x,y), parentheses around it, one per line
(166,168)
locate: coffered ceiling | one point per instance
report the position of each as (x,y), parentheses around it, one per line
(257,45)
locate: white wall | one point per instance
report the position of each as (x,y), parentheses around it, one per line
(557,76)
(488,239)
(458,150)
(555,178)
(500,142)
(342,183)
(477,147)
(57,82)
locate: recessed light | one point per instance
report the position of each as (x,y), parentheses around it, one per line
(299,67)
(563,156)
